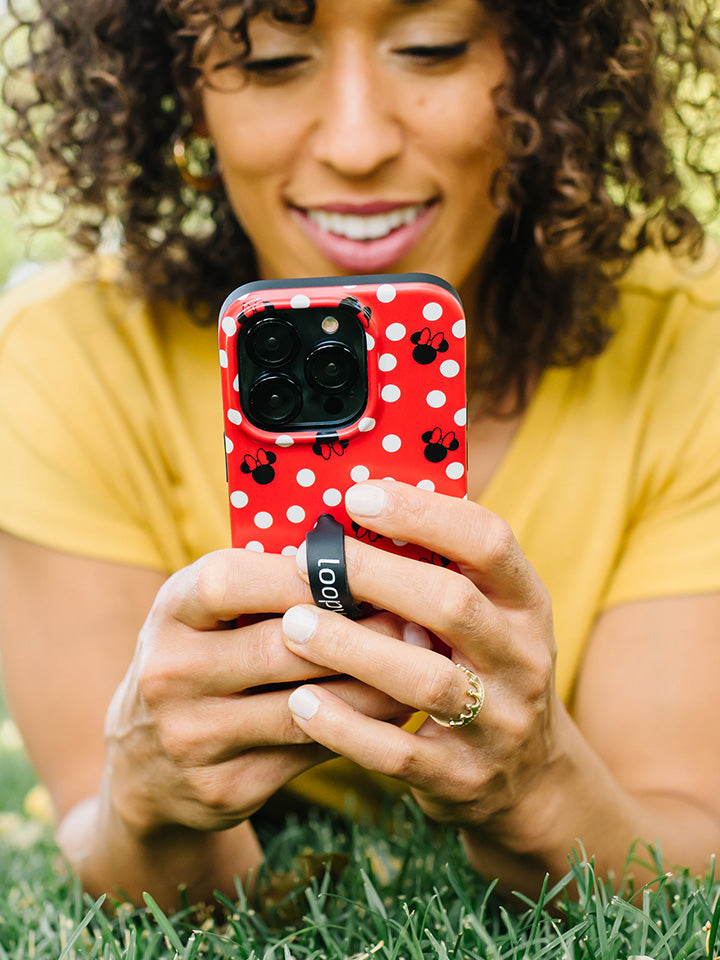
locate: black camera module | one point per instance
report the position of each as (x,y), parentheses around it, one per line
(274,399)
(272,342)
(302,368)
(331,367)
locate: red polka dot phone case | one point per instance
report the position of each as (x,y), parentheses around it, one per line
(331,381)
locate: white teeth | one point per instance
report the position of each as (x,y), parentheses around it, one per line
(372,227)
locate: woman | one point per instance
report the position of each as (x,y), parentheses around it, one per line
(517,151)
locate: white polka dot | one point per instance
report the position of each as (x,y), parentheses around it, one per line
(332,497)
(229,325)
(390,479)
(289,551)
(239,499)
(360,473)
(387,362)
(284,441)
(223,359)
(300,301)
(400,543)
(455,470)
(390,393)
(432,311)
(460,417)
(370,340)
(236,384)
(234,416)
(366,425)
(458,329)
(263,519)
(436,399)
(295,514)
(229,445)
(449,368)
(391,443)
(349,286)
(255,546)
(306,478)
(386,293)
(395,332)
(426,485)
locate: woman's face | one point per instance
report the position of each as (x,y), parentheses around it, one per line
(366,141)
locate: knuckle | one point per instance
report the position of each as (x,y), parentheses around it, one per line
(539,677)
(399,760)
(155,683)
(460,603)
(213,791)
(214,579)
(180,743)
(442,689)
(263,658)
(501,545)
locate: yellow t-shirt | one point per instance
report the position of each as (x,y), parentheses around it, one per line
(111,447)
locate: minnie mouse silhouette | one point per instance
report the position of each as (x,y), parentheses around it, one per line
(429,345)
(438,444)
(259,466)
(327,444)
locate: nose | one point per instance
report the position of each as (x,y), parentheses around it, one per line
(358,131)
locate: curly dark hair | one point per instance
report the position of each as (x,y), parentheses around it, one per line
(99,89)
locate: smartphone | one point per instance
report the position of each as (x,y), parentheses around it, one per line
(331,381)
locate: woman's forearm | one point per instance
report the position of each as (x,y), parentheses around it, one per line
(111,858)
(579,805)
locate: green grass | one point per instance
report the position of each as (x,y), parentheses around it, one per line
(399,891)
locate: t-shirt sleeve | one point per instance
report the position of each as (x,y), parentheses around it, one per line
(79,470)
(672,538)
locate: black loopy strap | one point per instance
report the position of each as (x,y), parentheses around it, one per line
(327,571)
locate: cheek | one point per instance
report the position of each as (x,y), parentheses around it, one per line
(249,141)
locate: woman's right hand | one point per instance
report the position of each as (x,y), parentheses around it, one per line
(195,734)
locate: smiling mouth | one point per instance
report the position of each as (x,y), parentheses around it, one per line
(372,226)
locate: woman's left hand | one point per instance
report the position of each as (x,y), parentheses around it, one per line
(495,614)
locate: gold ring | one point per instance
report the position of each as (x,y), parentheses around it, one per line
(475,701)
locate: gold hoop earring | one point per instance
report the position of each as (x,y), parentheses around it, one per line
(185,157)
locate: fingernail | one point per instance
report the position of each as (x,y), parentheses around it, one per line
(366,500)
(303,703)
(301,559)
(416,635)
(299,624)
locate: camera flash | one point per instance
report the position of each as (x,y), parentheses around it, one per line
(330,325)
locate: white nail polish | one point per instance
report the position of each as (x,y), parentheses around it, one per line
(299,624)
(416,636)
(365,500)
(303,703)
(301,558)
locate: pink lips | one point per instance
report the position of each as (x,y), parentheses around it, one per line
(364,256)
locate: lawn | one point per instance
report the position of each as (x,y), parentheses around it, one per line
(400,891)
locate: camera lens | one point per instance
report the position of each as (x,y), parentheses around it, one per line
(272,342)
(275,398)
(331,367)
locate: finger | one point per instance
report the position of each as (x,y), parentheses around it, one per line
(223,662)
(408,673)
(256,655)
(418,761)
(216,730)
(223,794)
(225,584)
(478,540)
(444,601)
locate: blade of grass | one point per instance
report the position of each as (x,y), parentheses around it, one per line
(87,919)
